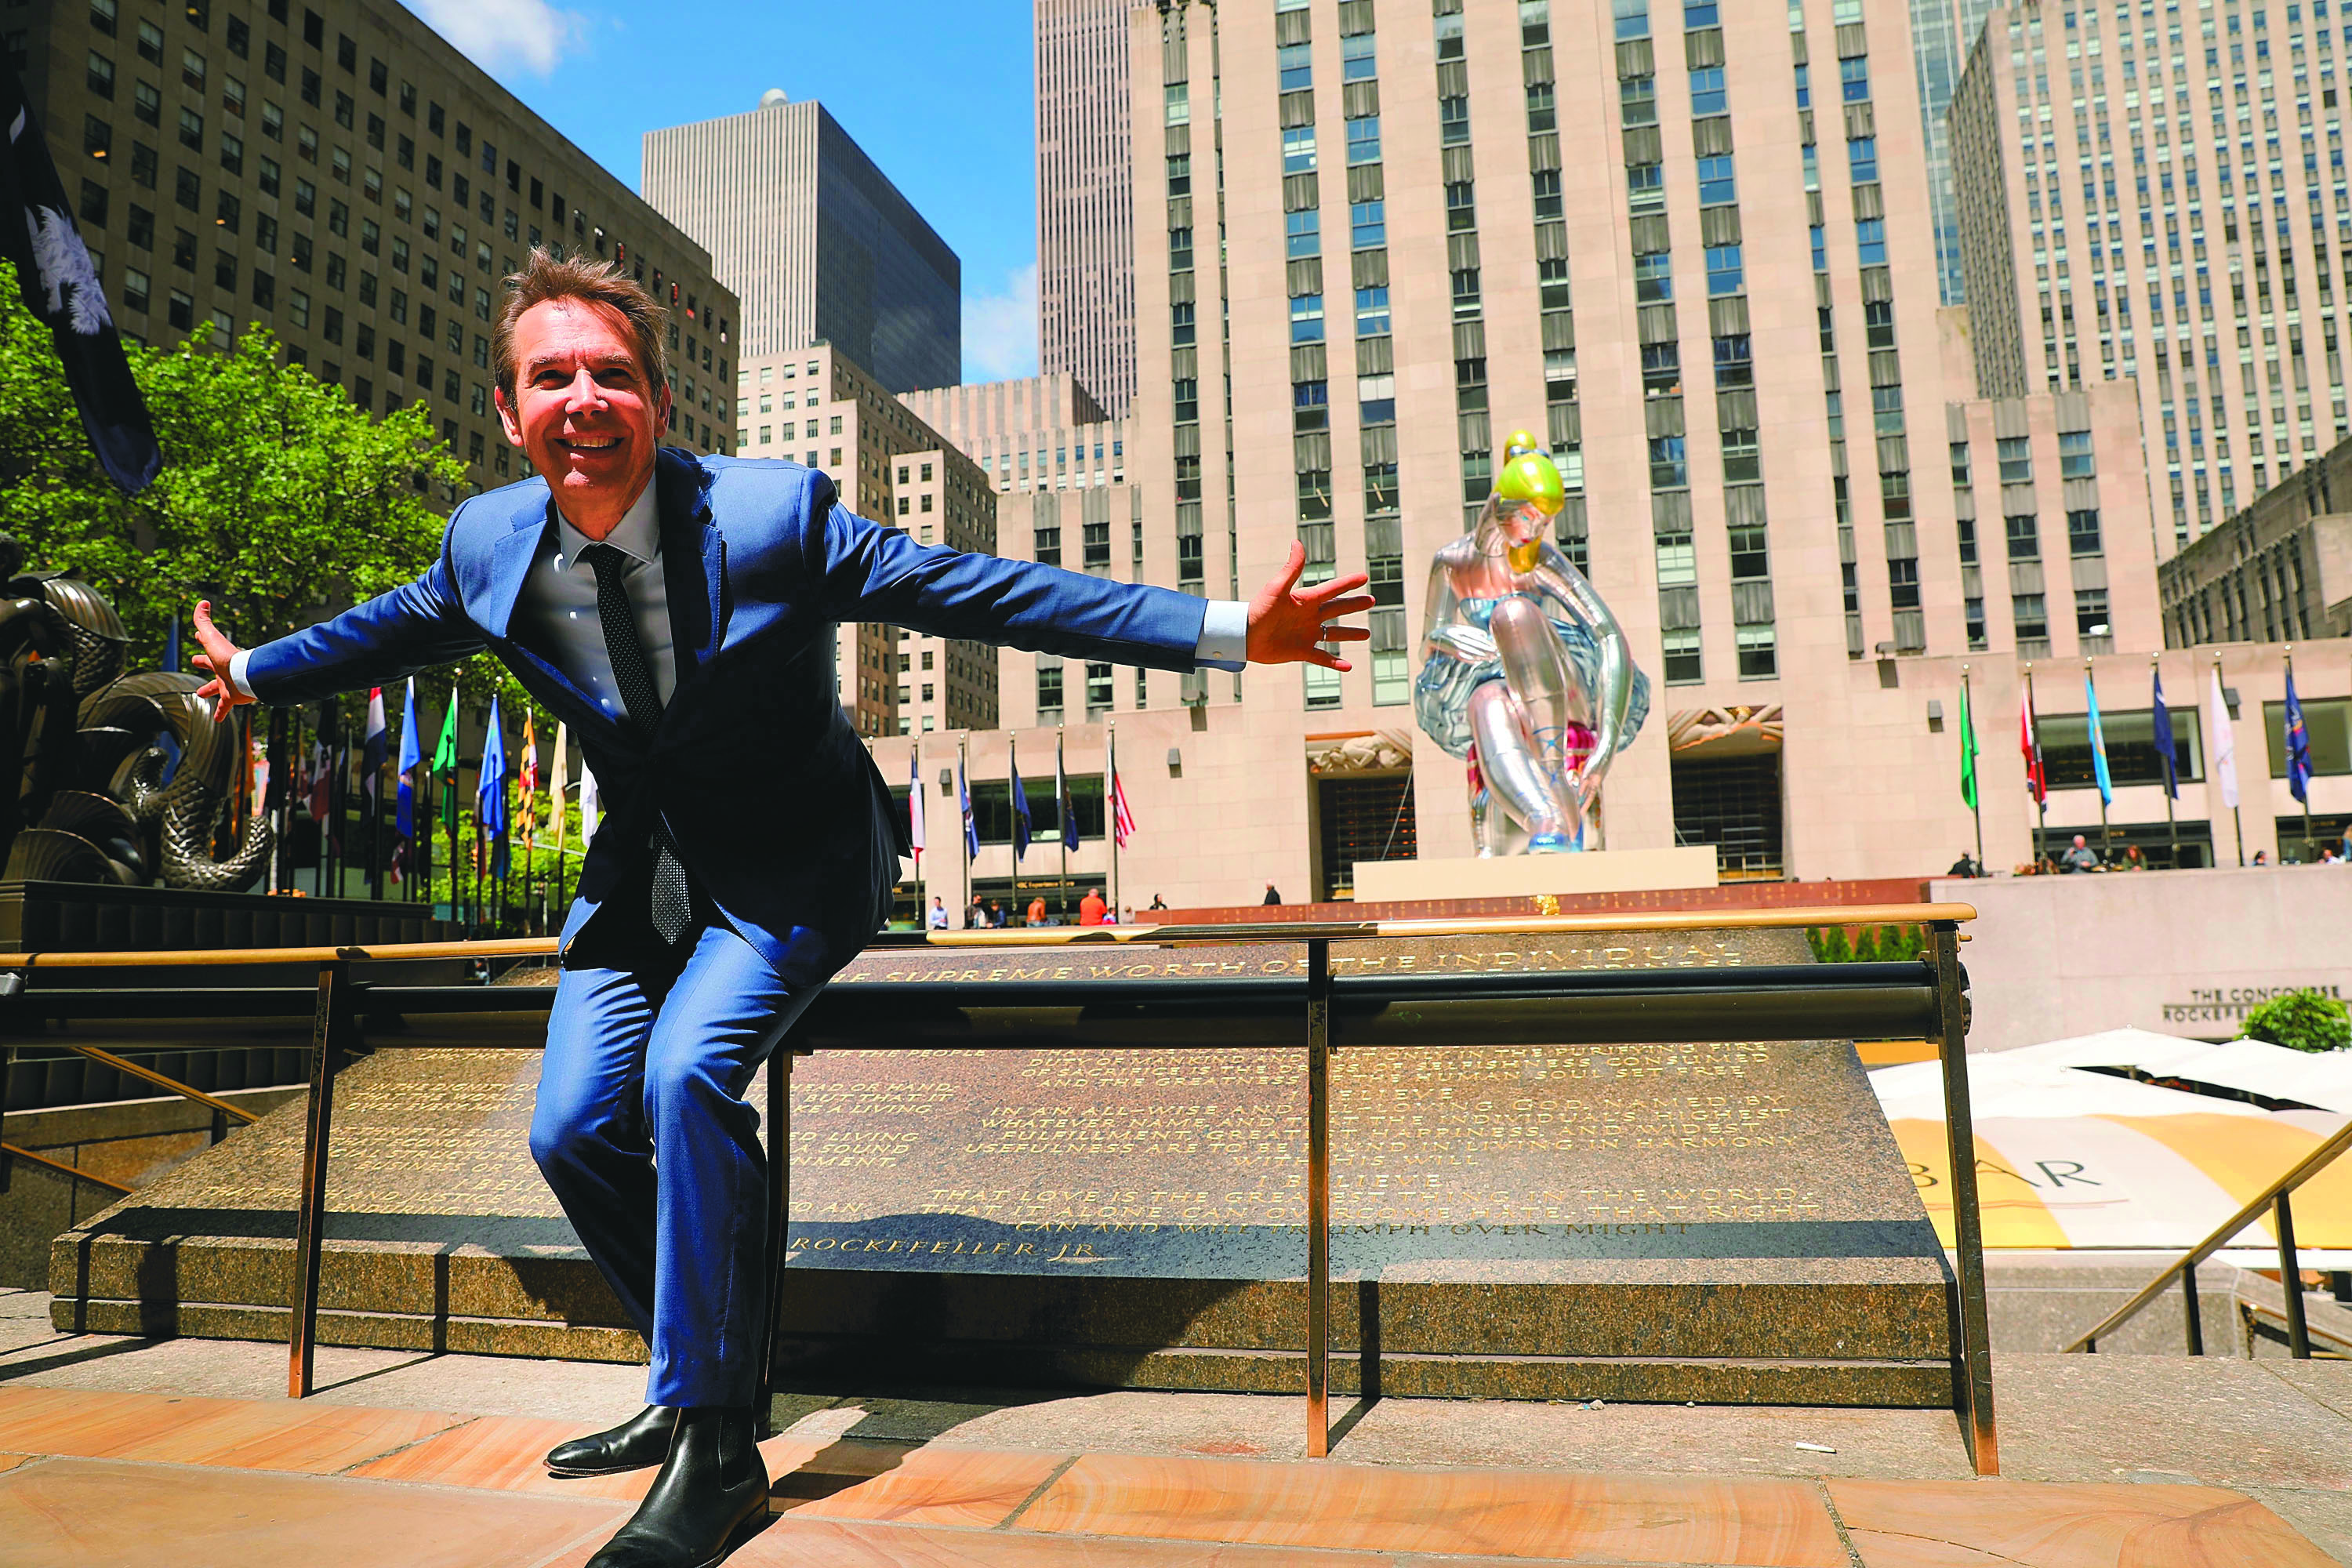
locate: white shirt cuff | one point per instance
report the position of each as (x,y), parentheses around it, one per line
(1224,635)
(238,684)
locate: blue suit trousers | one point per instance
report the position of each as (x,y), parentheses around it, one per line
(642,1130)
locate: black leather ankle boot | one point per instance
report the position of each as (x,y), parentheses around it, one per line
(711,1494)
(637,1444)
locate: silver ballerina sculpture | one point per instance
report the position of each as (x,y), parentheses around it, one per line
(1526,674)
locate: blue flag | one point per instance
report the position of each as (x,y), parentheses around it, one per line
(491,793)
(971,828)
(1062,800)
(412,754)
(2298,745)
(2164,740)
(172,643)
(2098,744)
(1020,810)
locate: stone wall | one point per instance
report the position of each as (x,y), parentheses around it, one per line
(2182,952)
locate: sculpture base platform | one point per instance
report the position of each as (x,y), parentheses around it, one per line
(1528,876)
(1721,1223)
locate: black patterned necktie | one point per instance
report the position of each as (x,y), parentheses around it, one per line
(634,678)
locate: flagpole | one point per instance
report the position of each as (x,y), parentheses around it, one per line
(2237,813)
(964,826)
(1065,822)
(2171,780)
(2290,757)
(1110,809)
(2041,795)
(1019,808)
(1967,742)
(915,804)
(2098,754)
(563,771)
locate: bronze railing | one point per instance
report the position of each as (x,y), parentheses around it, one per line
(1923,999)
(2274,1197)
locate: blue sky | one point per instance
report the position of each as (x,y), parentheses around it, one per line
(939,95)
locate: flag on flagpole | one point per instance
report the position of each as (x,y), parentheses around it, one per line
(2224,741)
(915,804)
(1062,806)
(490,791)
(2098,743)
(2298,745)
(412,757)
(971,826)
(445,762)
(526,809)
(1122,820)
(2165,742)
(1020,808)
(2029,741)
(555,788)
(1967,752)
(371,742)
(321,781)
(592,806)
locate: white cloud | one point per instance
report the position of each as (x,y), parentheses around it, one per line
(505,35)
(1000,331)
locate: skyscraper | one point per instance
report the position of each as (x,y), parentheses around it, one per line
(2142,197)
(1086,237)
(816,240)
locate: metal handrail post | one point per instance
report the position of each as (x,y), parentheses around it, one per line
(1318,1199)
(328,1027)
(2191,1313)
(2302,1170)
(1972,1356)
(2298,1332)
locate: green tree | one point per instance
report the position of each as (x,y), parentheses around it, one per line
(2301,1021)
(279,501)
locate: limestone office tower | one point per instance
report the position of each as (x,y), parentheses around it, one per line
(814,240)
(346,178)
(1086,234)
(2157,189)
(1690,245)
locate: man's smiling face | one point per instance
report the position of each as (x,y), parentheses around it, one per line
(582,408)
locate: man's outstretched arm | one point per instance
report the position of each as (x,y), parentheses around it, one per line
(877,572)
(413,627)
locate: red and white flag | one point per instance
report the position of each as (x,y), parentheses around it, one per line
(1122,820)
(2029,741)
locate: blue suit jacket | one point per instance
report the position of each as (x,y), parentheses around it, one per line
(776,805)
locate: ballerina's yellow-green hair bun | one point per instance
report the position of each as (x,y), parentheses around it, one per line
(1530,479)
(1518,443)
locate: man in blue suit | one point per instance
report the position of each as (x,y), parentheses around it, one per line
(679,613)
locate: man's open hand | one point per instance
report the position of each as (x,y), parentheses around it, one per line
(1288,623)
(219,652)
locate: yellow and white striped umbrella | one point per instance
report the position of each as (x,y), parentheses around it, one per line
(2132,1181)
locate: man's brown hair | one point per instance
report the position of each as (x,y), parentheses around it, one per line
(547,275)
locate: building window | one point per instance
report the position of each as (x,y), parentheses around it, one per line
(1049,691)
(1307,319)
(2016,454)
(1371,313)
(1680,649)
(1303,233)
(2083,532)
(2076,460)
(1706,92)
